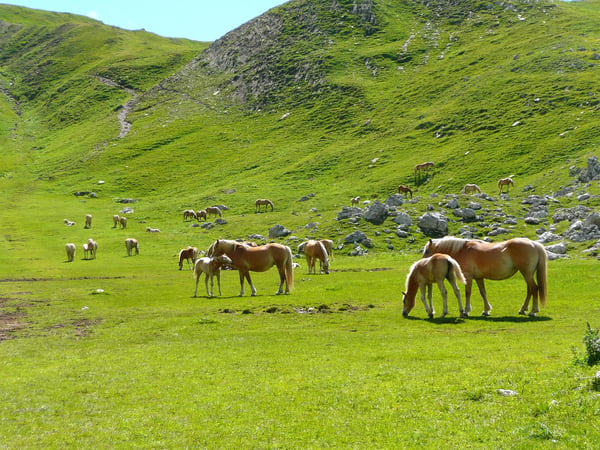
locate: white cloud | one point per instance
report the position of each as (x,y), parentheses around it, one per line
(93,15)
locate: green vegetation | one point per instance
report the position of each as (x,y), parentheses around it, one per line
(332,103)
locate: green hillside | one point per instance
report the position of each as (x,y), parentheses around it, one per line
(328,99)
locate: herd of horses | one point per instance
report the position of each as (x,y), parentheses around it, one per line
(453,259)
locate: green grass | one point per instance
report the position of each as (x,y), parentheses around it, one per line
(144,364)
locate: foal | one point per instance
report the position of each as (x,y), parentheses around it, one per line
(211,267)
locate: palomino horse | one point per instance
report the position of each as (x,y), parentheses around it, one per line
(188,254)
(423,167)
(70,248)
(327,243)
(423,273)
(88,221)
(211,267)
(355,200)
(263,202)
(471,189)
(89,249)
(201,213)
(508,182)
(116,221)
(189,214)
(131,244)
(214,210)
(403,189)
(314,250)
(257,259)
(123,222)
(497,261)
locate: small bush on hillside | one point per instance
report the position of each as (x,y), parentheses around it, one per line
(591,340)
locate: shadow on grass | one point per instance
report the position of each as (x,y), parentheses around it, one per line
(459,320)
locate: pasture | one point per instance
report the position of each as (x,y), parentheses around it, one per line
(116,349)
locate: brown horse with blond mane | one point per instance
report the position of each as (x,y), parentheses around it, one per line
(508,182)
(423,273)
(263,202)
(497,261)
(257,259)
(314,250)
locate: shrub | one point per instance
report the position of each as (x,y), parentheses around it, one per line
(591,340)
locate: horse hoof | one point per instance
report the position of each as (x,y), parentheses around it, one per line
(531,314)
(485,313)
(522,313)
(464,315)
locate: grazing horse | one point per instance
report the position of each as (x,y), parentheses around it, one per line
(423,167)
(188,254)
(189,213)
(423,273)
(123,222)
(314,250)
(263,202)
(355,200)
(201,213)
(211,267)
(88,221)
(131,244)
(508,182)
(497,261)
(115,221)
(257,259)
(471,189)
(403,189)
(70,248)
(327,243)
(214,210)
(89,249)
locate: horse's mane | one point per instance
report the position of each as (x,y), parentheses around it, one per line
(409,275)
(449,244)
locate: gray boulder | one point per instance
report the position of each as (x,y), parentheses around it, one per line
(433,224)
(354,237)
(592,171)
(394,200)
(278,231)
(376,213)
(350,212)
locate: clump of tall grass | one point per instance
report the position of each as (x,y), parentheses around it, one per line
(591,341)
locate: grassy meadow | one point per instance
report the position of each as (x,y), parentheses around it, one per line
(117,353)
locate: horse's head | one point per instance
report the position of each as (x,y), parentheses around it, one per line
(405,308)
(428,249)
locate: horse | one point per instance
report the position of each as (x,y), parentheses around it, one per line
(123,222)
(423,273)
(497,261)
(188,254)
(471,189)
(189,213)
(214,210)
(424,167)
(201,213)
(89,249)
(354,200)
(257,259)
(131,244)
(263,201)
(211,267)
(88,221)
(327,243)
(152,230)
(70,248)
(505,182)
(314,250)
(69,223)
(403,189)
(115,221)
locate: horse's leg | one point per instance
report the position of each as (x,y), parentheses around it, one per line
(212,284)
(241,283)
(308,263)
(282,279)
(468,287)
(422,289)
(196,291)
(218,274)
(252,288)
(206,284)
(457,293)
(444,296)
(430,295)
(532,292)
(486,305)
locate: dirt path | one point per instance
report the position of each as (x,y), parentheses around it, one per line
(125,108)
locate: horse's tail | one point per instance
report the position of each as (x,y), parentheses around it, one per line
(542,276)
(289,268)
(458,273)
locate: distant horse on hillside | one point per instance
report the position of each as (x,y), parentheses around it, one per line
(471,189)
(88,221)
(214,210)
(403,189)
(497,261)
(123,222)
(436,269)
(263,202)
(505,182)
(201,214)
(423,167)
(355,200)
(257,259)
(189,214)
(131,244)
(70,248)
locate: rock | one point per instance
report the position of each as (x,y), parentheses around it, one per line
(532,221)
(220,221)
(256,237)
(402,218)
(570,214)
(592,219)
(356,236)
(376,213)
(507,392)
(560,248)
(278,231)
(394,200)
(592,171)
(433,224)
(467,214)
(350,212)
(548,236)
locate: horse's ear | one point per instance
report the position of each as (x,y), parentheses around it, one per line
(430,241)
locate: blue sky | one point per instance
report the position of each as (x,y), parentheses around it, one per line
(201,20)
